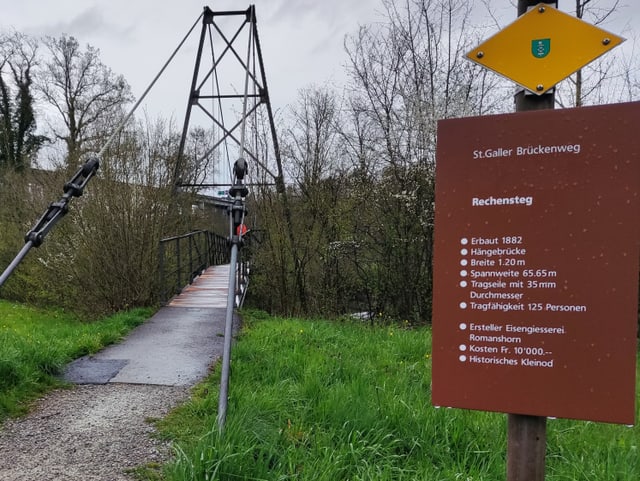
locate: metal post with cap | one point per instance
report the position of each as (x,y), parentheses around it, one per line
(525,100)
(237,212)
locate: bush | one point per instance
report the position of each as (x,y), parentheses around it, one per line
(103,256)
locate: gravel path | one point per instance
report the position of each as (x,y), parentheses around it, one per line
(87,433)
(100,432)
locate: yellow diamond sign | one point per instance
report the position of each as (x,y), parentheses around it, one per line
(543,47)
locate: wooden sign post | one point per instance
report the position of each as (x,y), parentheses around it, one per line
(527,435)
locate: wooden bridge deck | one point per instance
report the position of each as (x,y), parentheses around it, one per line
(210,289)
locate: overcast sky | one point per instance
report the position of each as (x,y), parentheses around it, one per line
(302,40)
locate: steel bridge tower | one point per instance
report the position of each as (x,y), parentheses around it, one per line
(229,94)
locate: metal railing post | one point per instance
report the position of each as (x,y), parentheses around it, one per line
(163,287)
(178,257)
(191,243)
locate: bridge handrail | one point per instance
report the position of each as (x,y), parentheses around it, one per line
(184,257)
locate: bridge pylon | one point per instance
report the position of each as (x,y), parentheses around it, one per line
(229,102)
(229,91)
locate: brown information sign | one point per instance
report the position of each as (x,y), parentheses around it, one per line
(536,263)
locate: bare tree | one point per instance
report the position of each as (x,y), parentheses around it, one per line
(406,74)
(609,79)
(310,140)
(294,244)
(82,90)
(361,169)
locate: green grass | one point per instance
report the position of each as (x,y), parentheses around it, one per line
(35,344)
(329,401)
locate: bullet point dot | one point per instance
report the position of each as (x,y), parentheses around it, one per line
(462,326)
(462,347)
(464,252)
(463,305)
(463,358)
(464,241)
(463,273)
(463,262)
(463,283)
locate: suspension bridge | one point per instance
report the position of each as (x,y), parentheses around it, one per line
(204,275)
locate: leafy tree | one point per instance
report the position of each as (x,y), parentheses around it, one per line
(19,142)
(104,255)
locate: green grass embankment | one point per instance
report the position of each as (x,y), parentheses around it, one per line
(35,345)
(327,401)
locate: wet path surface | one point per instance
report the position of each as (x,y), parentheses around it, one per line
(176,347)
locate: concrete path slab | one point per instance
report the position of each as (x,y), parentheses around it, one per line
(176,347)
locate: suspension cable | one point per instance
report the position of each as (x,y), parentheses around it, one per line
(216,87)
(236,222)
(153,82)
(246,87)
(254,177)
(245,101)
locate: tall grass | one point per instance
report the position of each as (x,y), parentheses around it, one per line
(35,344)
(318,400)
